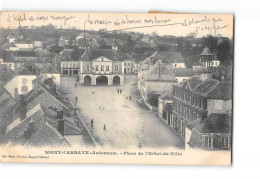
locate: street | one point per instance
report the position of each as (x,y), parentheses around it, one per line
(117,121)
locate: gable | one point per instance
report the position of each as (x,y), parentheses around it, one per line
(186,86)
(102,59)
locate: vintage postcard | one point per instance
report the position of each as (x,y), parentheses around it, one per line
(125,88)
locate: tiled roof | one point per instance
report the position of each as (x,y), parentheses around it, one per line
(184,72)
(210,88)
(206,87)
(66,54)
(193,84)
(6,101)
(172,57)
(70,128)
(8,55)
(49,69)
(42,134)
(222,91)
(165,57)
(25,70)
(194,123)
(71,55)
(92,54)
(159,72)
(215,123)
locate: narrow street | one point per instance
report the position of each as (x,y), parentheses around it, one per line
(127,123)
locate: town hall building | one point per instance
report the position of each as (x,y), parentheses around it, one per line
(101,67)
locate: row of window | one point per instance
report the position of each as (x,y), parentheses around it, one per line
(185,111)
(210,63)
(70,65)
(208,142)
(191,99)
(129,64)
(178,125)
(103,68)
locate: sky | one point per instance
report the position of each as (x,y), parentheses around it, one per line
(175,24)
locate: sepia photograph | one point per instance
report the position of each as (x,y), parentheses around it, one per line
(138,88)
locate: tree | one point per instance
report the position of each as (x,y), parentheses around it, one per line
(224,52)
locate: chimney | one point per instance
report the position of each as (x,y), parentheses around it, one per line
(30,129)
(22,108)
(60,121)
(206,76)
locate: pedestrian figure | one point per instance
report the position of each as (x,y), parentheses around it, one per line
(117,91)
(130,98)
(76,99)
(120,91)
(75,85)
(104,128)
(140,145)
(92,123)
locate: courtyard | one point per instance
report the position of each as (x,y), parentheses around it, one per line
(118,120)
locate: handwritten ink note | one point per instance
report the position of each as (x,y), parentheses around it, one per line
(195,24)
(24,17)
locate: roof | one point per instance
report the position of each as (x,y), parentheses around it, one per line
(87,35)
(24,45)
(28,68)
(172,57)
(5,73)
(210,88)
(66,36)
(167,95)
(92,54)
(71,55)
(206,87)
(6,101)
(165,57)
(42,134)
(83,43)
(49,69)
(222,91)
(9,55)
(206,51)
(184,72)
(42,51)
(70,128)
(214,123)
(40,94)
(159,72)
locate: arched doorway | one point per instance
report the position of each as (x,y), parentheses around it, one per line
(87,80)
(116,80)
(102,80)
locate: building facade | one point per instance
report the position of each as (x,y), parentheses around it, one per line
(157,80)
(193,101)
(101,67)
